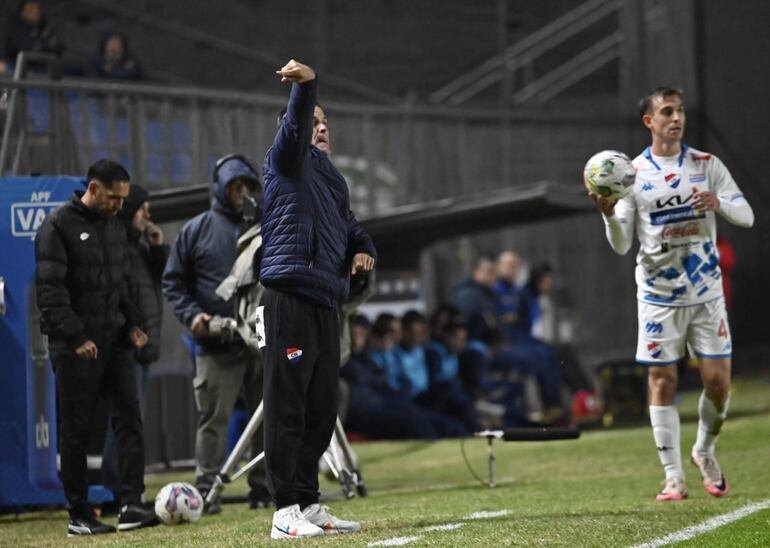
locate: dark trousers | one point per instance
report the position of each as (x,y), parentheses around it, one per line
(110,477)
(300,394)
(80,383)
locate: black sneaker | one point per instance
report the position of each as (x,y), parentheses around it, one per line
(87,526)
(134,516)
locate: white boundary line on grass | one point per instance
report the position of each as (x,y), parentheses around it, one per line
(708,525)
(401,541)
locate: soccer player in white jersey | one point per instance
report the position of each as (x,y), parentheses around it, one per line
(677,193)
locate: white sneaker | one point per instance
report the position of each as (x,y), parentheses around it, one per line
(320,516)
(288,522)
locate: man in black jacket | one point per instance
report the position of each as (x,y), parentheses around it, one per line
(201,258)
(147,254)
(82,291)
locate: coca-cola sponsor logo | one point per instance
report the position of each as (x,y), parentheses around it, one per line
(681,231)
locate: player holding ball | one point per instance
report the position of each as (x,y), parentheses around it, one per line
(673,205)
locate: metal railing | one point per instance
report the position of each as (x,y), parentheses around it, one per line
(170,136)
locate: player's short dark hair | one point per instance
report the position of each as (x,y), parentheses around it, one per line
(282,113)
(108,172)
(645,103)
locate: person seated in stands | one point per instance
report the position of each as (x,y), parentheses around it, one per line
(508,295)
(411,352)
(532,357)
(28,30)
(540,322)
(446,394)
(498,395)
(116,62)
(375,409)
(386,335)
(475,298)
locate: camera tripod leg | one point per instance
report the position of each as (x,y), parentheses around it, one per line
(235,456)
(356,478)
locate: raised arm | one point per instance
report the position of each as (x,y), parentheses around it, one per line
(292,141)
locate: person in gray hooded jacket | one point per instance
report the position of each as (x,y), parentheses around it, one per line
(201,258)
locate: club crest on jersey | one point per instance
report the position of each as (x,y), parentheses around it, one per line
(654,349)
(293,354)
(673,180)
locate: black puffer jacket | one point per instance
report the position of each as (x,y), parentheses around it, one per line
(147,263)
(81,278)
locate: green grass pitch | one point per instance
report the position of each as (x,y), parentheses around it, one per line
(595,491)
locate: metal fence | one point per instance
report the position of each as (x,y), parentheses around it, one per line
(392,155)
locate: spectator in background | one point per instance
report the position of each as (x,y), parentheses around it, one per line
(375,409)
(411,352)
(541,323)
(147,255)
(537,314)
(446,394)
(28,30)
(92,325)
(507,295)
(201,258)
(116,61)
(386,335)
(475,299)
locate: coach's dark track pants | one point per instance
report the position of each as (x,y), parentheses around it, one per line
(301,360)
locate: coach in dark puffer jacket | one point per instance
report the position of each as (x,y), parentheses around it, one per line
(312,243)
(82,292)
(147,255)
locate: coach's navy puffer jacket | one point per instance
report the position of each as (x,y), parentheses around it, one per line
(309,233)
(204,253)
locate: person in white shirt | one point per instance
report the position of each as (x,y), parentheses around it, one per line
(677,193)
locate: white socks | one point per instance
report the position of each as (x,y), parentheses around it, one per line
(665,430)
(709,425)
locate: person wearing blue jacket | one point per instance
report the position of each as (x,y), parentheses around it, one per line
(312,244)
(200,259)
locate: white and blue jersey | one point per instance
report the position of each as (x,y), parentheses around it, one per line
(677,263)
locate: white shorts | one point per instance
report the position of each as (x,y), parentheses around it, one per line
(665,330)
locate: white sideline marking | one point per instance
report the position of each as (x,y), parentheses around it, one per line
(706,526)
(400,541)
(444,527)
(485,515)
(397,541)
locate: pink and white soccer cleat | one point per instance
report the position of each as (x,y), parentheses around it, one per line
(673,489)
(714,481)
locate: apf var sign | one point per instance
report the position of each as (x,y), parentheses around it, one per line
(27,217)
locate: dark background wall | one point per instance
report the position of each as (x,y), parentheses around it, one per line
(733,53)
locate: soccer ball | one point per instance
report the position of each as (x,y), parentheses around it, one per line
(610,174)
(178,502)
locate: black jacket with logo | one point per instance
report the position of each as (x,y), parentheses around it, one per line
(81,279)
